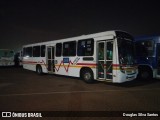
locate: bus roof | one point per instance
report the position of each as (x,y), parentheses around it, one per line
(94,35)
(147,37)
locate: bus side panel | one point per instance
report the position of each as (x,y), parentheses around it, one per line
(66,66)
(31,62)
(115,64)
(28,63)
(42,61)
(71,66)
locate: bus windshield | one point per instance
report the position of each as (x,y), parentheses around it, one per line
(6,53)
(125,51)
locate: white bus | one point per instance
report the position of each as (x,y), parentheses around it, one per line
(105,56)
(6,57)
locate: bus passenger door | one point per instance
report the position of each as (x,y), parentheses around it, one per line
(158,60)
(105,60)
(50,59)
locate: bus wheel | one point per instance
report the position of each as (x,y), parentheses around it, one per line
(87,75)
(145,74)
(39,70)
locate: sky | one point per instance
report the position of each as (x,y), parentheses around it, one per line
(31,21)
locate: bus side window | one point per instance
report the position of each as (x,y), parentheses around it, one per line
(109,50)
(58,49)
(28,51)
(85,47)
(69,48)
(43,49)
(101,51)
(36,51)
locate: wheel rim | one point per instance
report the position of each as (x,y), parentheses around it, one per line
(87,76)
(39,70)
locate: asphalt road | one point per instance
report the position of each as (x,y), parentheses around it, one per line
(23,90)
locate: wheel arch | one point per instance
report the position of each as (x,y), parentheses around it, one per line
(84,69)
(146,68)
(39,66)
(87,75)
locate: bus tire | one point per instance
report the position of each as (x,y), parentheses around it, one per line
(145,74)
(39,70)
(87,75)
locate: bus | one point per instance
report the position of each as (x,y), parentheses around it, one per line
(105,56)
(148,56)
(6,57)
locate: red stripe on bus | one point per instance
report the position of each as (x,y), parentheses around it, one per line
(85,64)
